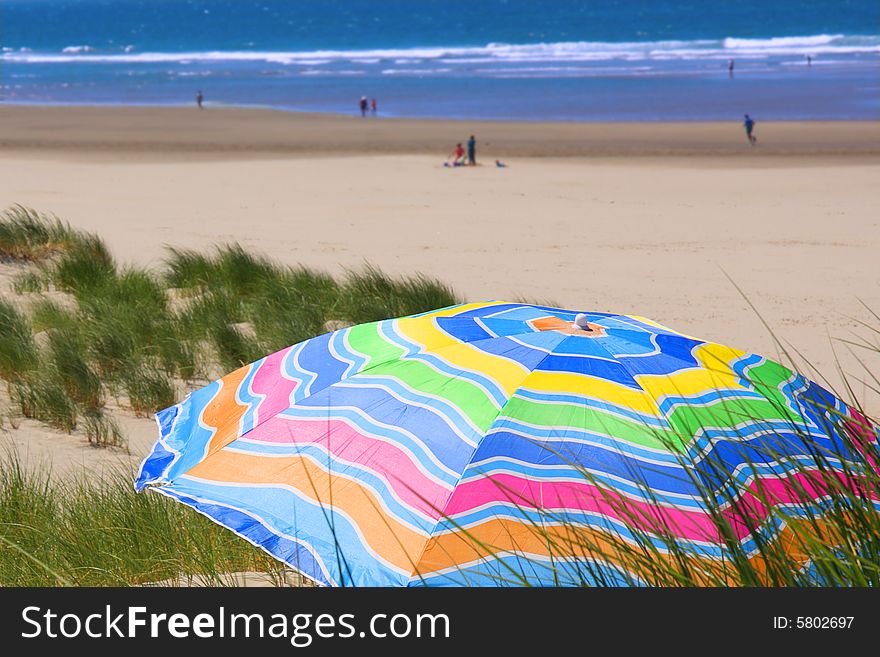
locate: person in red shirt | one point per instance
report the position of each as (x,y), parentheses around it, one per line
(457,157)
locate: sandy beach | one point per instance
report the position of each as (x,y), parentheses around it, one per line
(133,133)
(646,219)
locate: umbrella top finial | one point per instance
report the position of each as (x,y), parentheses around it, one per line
(581,322)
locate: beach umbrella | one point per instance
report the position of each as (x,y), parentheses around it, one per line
(510,444)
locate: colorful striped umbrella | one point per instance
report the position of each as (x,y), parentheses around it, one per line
(502,443)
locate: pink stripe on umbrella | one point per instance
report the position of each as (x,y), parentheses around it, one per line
(275,388)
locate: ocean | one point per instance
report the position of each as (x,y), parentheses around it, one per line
(614,60)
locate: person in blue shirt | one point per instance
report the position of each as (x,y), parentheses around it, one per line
(749,125)
(472,151)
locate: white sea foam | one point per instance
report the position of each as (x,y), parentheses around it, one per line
(415,71)
(73,50)
(575,51)
(784,42)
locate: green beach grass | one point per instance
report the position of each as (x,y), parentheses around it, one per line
(80,329)
(83,532)
(85,329)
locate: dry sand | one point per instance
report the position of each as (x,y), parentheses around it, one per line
(642,219)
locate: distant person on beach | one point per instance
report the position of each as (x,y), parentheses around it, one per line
(749,125)
(500,164)
(809,61)
(457,157)
(200,98)
(363,105)
(730,65)
(472,151)
(373,107)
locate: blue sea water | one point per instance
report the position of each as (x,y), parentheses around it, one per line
(507,59)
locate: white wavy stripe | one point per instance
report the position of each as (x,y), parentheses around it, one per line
(562,354)
(164,444)
(748,368)
(789,384)
(367,383)
(299,380)
(627,321)
(479,322)
(211,430)
(656,351)
(543,350)
(300,494)
(614,445)
(367,358)
(366,432)
(412,457)
(740,486)
(520,555)
(272,530)
(620,527)
(258,397)
(342,474)
(334,352)
(292,449)
(598,405)
(689,401)
(423,356)
(503,311)
(576,477)
(623,529)
(306,383)
(736,485)
(755,430)
(469,345)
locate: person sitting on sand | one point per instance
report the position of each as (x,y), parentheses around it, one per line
(457,157)
(749,125)
(500,164)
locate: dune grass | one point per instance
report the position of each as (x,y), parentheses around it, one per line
(87,533)
(368,295)
(28,235)
(46,400)
(143,337)
(18,352)
(149,389)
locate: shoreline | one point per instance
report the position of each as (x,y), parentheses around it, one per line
(218,105)
(238,133)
